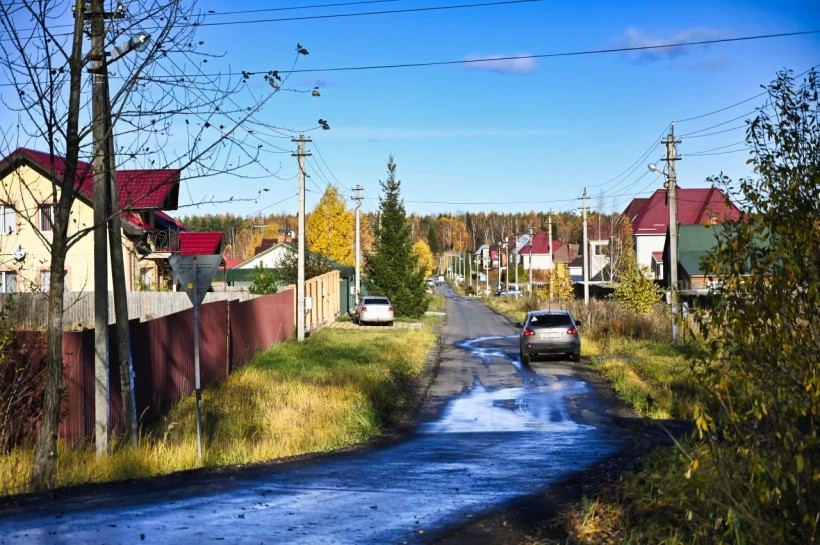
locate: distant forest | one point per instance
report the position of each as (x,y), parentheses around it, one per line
(446,232)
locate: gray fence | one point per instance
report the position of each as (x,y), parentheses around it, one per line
(31,309)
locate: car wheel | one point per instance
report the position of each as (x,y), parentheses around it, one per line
(575,357)
(525,358)
(390,323)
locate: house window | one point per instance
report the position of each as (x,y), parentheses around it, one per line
(46,217)
(8,220)
(45,281)
(8,281)
(147,278)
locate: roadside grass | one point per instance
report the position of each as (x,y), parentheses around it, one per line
(630,351)
(336,389)
(671,499)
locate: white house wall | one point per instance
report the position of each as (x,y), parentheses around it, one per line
(645,245)
(269,259)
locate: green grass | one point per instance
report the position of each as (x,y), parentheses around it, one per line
(336,389)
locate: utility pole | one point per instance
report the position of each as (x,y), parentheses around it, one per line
(100,116)
(358,189)
(507,264)
(552,257)
(515,253)
(586,251)
(529,289)
(499,264)
(487,269)
(470,271)
(673,228)
(300,262)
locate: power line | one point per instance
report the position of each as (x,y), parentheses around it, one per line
(509,58)
(550,55)
(702,154)
(736,104)
(365,13)
(291,8)
(326,16)
(632,167)
(271,205)
(689,134)
(730,129)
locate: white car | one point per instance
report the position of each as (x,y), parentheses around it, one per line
(373,309)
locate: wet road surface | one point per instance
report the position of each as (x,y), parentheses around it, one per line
(492,431)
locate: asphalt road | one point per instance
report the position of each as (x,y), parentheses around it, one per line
(490,432)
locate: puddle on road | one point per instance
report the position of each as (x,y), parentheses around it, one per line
(540,408)
(537,406)
(489,447)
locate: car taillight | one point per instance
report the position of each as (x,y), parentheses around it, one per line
(390,309)
(364,309)
(528,332)
(572,331)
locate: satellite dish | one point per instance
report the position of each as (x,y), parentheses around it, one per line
(19,253)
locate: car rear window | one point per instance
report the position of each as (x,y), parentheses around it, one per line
(549,320)
(376,301)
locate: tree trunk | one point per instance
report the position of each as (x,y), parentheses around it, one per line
(44,464)
(45,454)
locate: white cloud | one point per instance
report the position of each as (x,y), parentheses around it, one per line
(636,38)
(501,64)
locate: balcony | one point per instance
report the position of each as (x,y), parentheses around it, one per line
(158,244)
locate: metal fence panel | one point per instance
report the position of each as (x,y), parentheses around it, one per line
(258,324)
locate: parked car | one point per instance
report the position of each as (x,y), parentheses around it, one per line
(373,310)
(549,332)
(512,292)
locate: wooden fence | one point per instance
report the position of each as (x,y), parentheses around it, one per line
(31,309)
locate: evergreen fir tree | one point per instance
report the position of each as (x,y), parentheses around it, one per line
(391,268)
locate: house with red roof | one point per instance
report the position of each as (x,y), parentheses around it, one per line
(650,219)
(536,253)
(28,197)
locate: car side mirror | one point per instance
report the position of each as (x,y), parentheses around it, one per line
(519,324)
(578,324)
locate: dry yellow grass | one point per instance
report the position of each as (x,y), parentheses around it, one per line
(338,388)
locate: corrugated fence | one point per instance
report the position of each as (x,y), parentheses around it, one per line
(231,333)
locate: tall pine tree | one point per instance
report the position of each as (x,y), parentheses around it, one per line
(391,267)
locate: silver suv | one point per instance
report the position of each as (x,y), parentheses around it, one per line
(549,332)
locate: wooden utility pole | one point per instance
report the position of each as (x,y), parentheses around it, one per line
(300,263)
(586,251)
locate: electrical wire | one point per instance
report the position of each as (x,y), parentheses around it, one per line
(326,16)
(291,8)
(366,13)
(551,55)
(577,53)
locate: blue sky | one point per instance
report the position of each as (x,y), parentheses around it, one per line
(508,136)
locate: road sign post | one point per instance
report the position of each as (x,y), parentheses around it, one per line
(196,272)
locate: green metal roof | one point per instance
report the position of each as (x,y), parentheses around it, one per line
(695,241)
